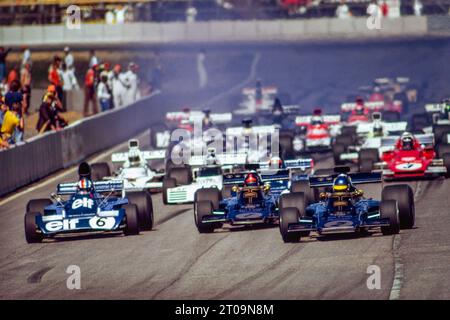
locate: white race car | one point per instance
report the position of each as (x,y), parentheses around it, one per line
(134,169)
(256,99)
(181,183)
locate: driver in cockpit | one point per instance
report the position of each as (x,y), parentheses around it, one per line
(343,193)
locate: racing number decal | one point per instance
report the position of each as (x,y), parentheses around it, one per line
(102,223)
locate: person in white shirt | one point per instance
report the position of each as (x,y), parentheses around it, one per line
(117,84)
(191,13)
(131,85)
(120,14)
(103,92)
(93,61)
(110,18)
(343,11)
(374,10)
(69,83)
(68,59)
(26,57)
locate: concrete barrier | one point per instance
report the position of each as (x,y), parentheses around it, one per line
(220,31)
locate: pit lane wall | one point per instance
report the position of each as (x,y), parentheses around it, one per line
(221,31)
(42,155)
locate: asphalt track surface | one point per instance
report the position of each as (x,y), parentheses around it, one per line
(174,261)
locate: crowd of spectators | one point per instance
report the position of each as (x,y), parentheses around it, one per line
(204,10)
(103,86)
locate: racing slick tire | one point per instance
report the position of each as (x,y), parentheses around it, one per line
(294,200)
(389,209)
(212,195)
(99,170)
(203,208)
(349,130)
(369,153)
(345,139)
(289,216)
(31,234)
(442,149)
(132,225)
(390,116)
(38,205)
(404,196)
(366,165)
(303,186)
(446,158)
(143,202)
(286,145)
(337,150)
(182,175)
(440,131)
(167,184)
(419,121)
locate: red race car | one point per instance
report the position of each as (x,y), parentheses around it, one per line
(412,157)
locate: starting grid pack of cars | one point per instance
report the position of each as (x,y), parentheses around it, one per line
(368,140)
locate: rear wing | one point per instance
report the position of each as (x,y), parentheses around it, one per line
(371,105)
(357,178)
(328,119)
(265,90)
(238,131)
(99,186)
(238,178)
(216,118)
(363,128)
(223,159)
(293,164)
(146,155)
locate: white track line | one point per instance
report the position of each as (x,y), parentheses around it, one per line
(398,263)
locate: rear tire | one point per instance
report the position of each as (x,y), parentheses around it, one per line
(286,145)
(226,192)
(404,196)
(366,165)
(289,216)
(446,159)
(337,150)
(143,202)
(346,140)
(31,234)
(302,186)
(389,209)
(369,153)
(132,226)
(201,209)
(38,205)
(390,116)
(294,200)
(167,184)
(442,149)
(99,171)
(439,132)
(182,175)
(212,195)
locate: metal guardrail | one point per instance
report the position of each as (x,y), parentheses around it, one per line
(42,155)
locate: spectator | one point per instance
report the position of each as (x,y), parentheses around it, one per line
(374,10)
(418,7)
(13,95)
(191,13)
(201,70)
(120,14)
(25,80)
(110,17)
(26,57)
(68,59)
(4,88)
(104,92)
(54,76)
(3,54)
(117,85)
(69,83)
(131,84)
(89,91)
(3,108)
(92,58)
(13,123)
(343,11)
(384,8)
(49,118)
(13,75)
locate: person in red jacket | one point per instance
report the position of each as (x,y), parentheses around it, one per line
(89,91)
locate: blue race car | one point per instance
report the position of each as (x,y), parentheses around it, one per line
(253,200)
(88,209)
(342,208)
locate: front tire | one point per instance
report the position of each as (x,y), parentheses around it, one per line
(31,234)
(143,202)
(289,216)
(203,208)
(389,209)
(132,225)
(168,183)
(38,205)
(404,196)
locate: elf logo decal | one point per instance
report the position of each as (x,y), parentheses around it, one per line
(66,224)
(85,203)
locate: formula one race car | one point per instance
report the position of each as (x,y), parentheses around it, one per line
(342,208)
(254,200)
(87,209)
(135,171)
(160,135)
(407,156)
(360,110)
(318,132)
(256,99)
(181,183)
